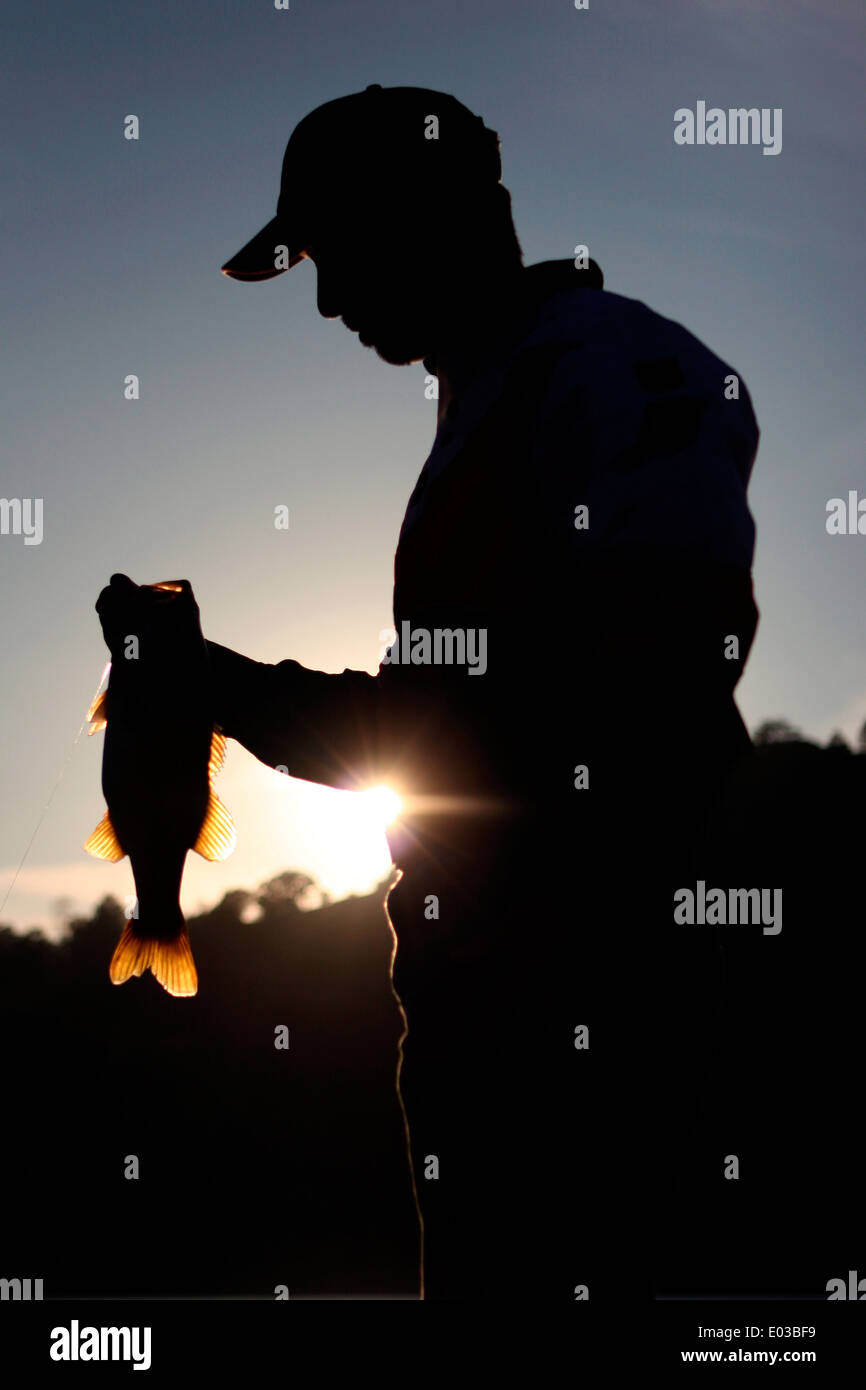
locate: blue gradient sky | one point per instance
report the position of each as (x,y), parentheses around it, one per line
(111,253)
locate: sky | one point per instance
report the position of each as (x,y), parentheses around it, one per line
(111,255)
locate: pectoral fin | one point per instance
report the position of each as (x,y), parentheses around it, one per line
(103,843)
(217,754)
(217,837)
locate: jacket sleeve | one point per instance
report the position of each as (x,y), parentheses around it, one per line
(318,726)
(354,730)
(641,524)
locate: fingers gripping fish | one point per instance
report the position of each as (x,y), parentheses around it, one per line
(162,752)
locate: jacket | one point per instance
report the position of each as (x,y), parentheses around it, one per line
(584,507)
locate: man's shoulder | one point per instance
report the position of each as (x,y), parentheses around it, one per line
(589,346)
(578,316)
(629,414)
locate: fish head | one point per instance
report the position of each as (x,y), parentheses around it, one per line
(161,615)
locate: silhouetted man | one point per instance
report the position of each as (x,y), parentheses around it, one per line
(579,539)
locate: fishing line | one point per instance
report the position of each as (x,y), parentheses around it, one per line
(63,768)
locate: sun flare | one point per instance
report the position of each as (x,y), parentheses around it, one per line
(353,827)
(382,805)
(337,835)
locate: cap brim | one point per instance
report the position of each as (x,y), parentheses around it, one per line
(255,261)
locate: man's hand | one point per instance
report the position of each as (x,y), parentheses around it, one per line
(118,607)
(125,608)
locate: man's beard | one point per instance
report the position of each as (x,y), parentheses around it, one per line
(398,347)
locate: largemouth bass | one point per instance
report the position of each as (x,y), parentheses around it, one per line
(162,752)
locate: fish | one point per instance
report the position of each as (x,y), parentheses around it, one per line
(162,752)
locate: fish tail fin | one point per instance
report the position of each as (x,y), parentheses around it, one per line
(170,962)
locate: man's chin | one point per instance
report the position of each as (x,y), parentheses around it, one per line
(397,352)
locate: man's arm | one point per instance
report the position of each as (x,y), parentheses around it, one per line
(349,730)
(320,727)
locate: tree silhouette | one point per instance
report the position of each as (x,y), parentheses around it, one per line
(270,1166)
(776,731)
(838,740)
(288,1166)
(288,887)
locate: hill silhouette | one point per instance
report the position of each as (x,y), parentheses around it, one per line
(788,1087)
(262,1167)
(258,1166)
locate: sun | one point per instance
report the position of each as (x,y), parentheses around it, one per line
(381,805)
(353,827)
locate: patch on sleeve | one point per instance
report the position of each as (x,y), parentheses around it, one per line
(659,374)
(666,427)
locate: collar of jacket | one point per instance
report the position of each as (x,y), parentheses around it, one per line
(539,283)
(549,277)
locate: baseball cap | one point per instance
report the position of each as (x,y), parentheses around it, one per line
(364,143)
